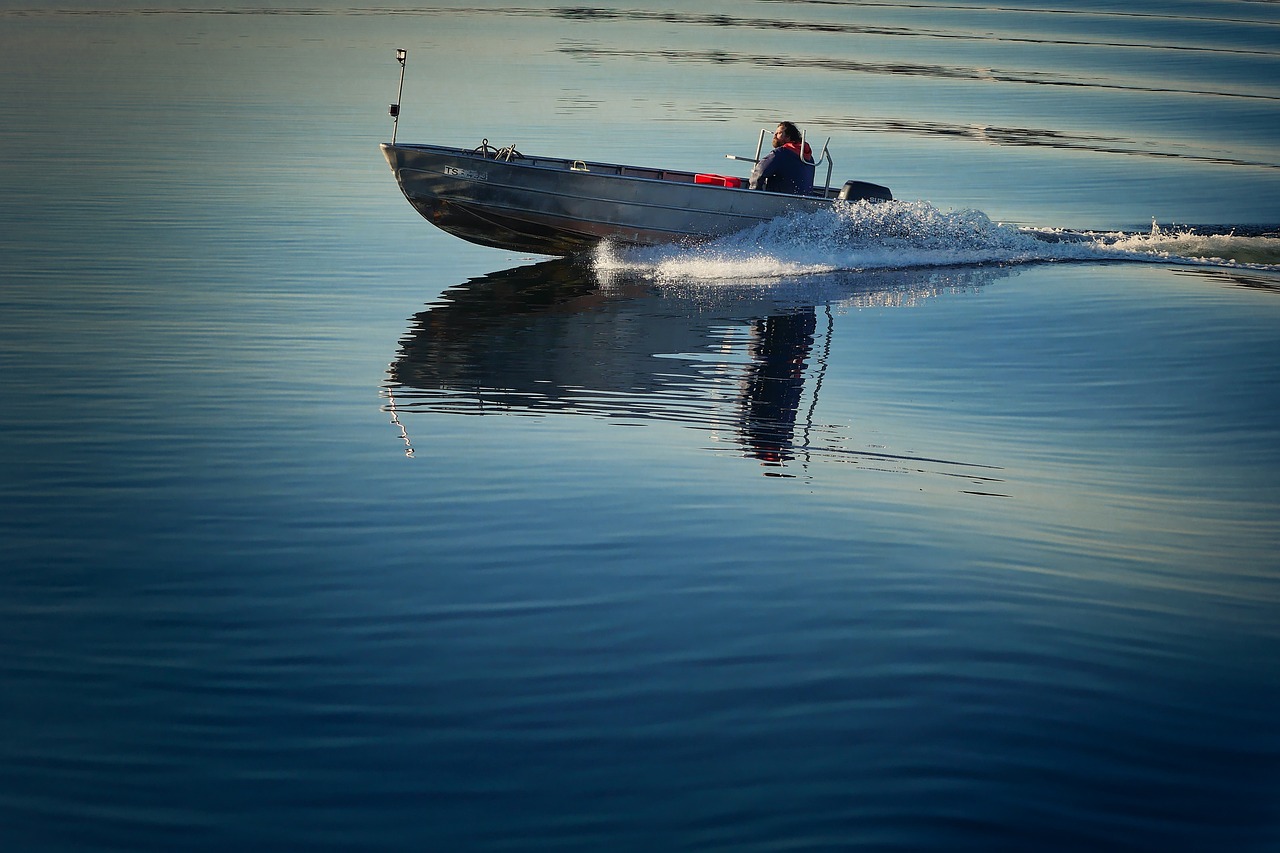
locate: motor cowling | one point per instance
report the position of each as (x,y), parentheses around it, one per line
(861,190)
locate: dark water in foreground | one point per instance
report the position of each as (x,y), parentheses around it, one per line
(321,530)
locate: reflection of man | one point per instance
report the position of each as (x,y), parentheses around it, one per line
(775,383)
(785,169)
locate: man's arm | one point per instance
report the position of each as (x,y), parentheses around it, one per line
(764,168)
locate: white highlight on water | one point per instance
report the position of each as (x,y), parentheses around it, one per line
(903,235)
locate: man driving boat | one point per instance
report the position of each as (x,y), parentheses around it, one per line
(785,169)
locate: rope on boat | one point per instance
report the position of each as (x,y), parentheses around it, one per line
(484,149)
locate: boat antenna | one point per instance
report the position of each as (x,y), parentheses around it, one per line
(395,108)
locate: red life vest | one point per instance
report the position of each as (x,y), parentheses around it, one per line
(807,156)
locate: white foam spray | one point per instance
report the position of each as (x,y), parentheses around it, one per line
(905,235)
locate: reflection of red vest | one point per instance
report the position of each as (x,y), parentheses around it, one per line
(807,156)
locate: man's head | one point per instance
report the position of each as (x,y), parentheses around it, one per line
(786,132)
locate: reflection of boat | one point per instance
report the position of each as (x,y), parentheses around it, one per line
(549,338)
(557,206)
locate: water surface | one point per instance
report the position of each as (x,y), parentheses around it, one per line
(951,525)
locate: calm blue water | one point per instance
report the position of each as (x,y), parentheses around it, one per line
(322,530)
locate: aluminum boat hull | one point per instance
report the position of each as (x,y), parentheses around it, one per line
(554,206)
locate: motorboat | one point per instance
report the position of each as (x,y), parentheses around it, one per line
(558,206)
(561,206)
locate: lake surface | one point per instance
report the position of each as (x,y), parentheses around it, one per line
(900,530)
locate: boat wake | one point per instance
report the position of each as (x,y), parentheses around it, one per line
(904,235)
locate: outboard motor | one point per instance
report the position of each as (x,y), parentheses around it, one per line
(861,190)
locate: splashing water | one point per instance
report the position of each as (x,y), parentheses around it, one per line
(900,235)
(1258,251)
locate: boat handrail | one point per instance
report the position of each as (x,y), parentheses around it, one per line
(825,155)
(759,148)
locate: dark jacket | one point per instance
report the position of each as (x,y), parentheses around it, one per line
(782,171)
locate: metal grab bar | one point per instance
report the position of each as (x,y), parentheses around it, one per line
(759,148)
(825,155)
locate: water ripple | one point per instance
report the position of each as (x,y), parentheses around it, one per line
(1035,137)
(941,72)
(1027,10)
